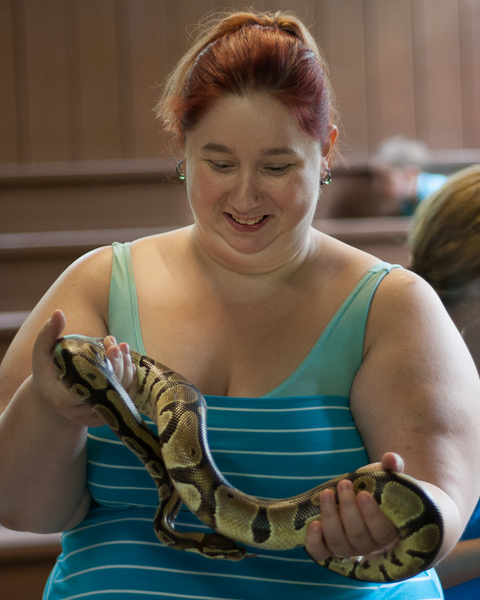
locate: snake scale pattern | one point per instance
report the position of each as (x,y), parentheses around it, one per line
(178,459)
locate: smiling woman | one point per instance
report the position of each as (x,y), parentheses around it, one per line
(315,358)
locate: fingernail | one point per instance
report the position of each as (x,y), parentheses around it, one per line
(315,527)
(328,496)
(344,485)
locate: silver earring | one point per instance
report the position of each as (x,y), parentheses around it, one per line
(327,180)
(180,171)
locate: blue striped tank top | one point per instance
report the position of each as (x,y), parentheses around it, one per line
(297,436)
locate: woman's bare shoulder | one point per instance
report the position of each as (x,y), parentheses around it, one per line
(81,292)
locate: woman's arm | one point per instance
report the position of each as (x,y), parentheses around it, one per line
(416,394)
(461,565)
(42,428)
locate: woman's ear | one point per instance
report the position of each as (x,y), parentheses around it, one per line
(332,139)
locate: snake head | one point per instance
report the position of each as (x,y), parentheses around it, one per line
(81,360)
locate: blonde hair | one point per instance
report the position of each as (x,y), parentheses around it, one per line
(445,237)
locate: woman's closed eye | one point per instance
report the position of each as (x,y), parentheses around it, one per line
(220,165)
(224,166)
(278,169)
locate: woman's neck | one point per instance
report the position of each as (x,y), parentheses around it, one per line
(249,277)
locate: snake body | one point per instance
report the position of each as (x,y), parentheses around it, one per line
(178,459)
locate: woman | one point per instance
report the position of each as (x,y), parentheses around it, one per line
(315,358)
(445,245)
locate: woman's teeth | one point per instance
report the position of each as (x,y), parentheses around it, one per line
(247,221)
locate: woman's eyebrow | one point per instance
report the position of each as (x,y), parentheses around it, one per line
(212,147)
(276,151)
(217,148)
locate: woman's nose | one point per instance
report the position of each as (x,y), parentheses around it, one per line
(245,194)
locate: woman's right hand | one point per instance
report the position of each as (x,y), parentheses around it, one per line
(48,386)
(46,383)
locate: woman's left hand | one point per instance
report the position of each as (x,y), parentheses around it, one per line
(125,370)
(355,525)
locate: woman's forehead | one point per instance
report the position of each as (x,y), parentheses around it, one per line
(257,120)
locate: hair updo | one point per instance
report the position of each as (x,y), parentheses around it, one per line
(248,52)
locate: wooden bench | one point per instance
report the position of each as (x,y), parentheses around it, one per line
(25,563)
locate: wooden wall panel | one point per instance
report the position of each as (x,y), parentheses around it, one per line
(19,53)
(389,69)
(47,86)
(80,77)
(437,81)
(74,84)
(8,112)
(123,43)
(305,9)
(470,71)
(100,92)
(181,20)
(339,29)
(149,59)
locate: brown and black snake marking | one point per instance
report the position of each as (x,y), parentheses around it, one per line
(179,461)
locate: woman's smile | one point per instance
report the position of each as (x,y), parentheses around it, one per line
(248,224)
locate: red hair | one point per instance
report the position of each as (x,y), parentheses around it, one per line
(246,53)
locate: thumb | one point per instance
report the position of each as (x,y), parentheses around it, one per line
(49,333)
(391,461)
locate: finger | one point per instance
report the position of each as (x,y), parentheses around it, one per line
(127,358)
(381,529)
(58,322)
(315,544)
(49,333)
(391,461)
(332,528)
(125,349)
(109,342)
(130,381)
(42,364)
(114,355)
(357,533)
(128,366)
(121,360)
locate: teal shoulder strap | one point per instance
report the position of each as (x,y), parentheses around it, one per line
(123,317)
(330,367)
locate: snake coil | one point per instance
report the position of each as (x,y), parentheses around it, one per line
(178,459)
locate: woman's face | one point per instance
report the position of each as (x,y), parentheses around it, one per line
(253,182)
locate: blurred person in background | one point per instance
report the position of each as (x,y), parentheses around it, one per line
(399,180)
(445,248)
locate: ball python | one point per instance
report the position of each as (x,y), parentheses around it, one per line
(179,461)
